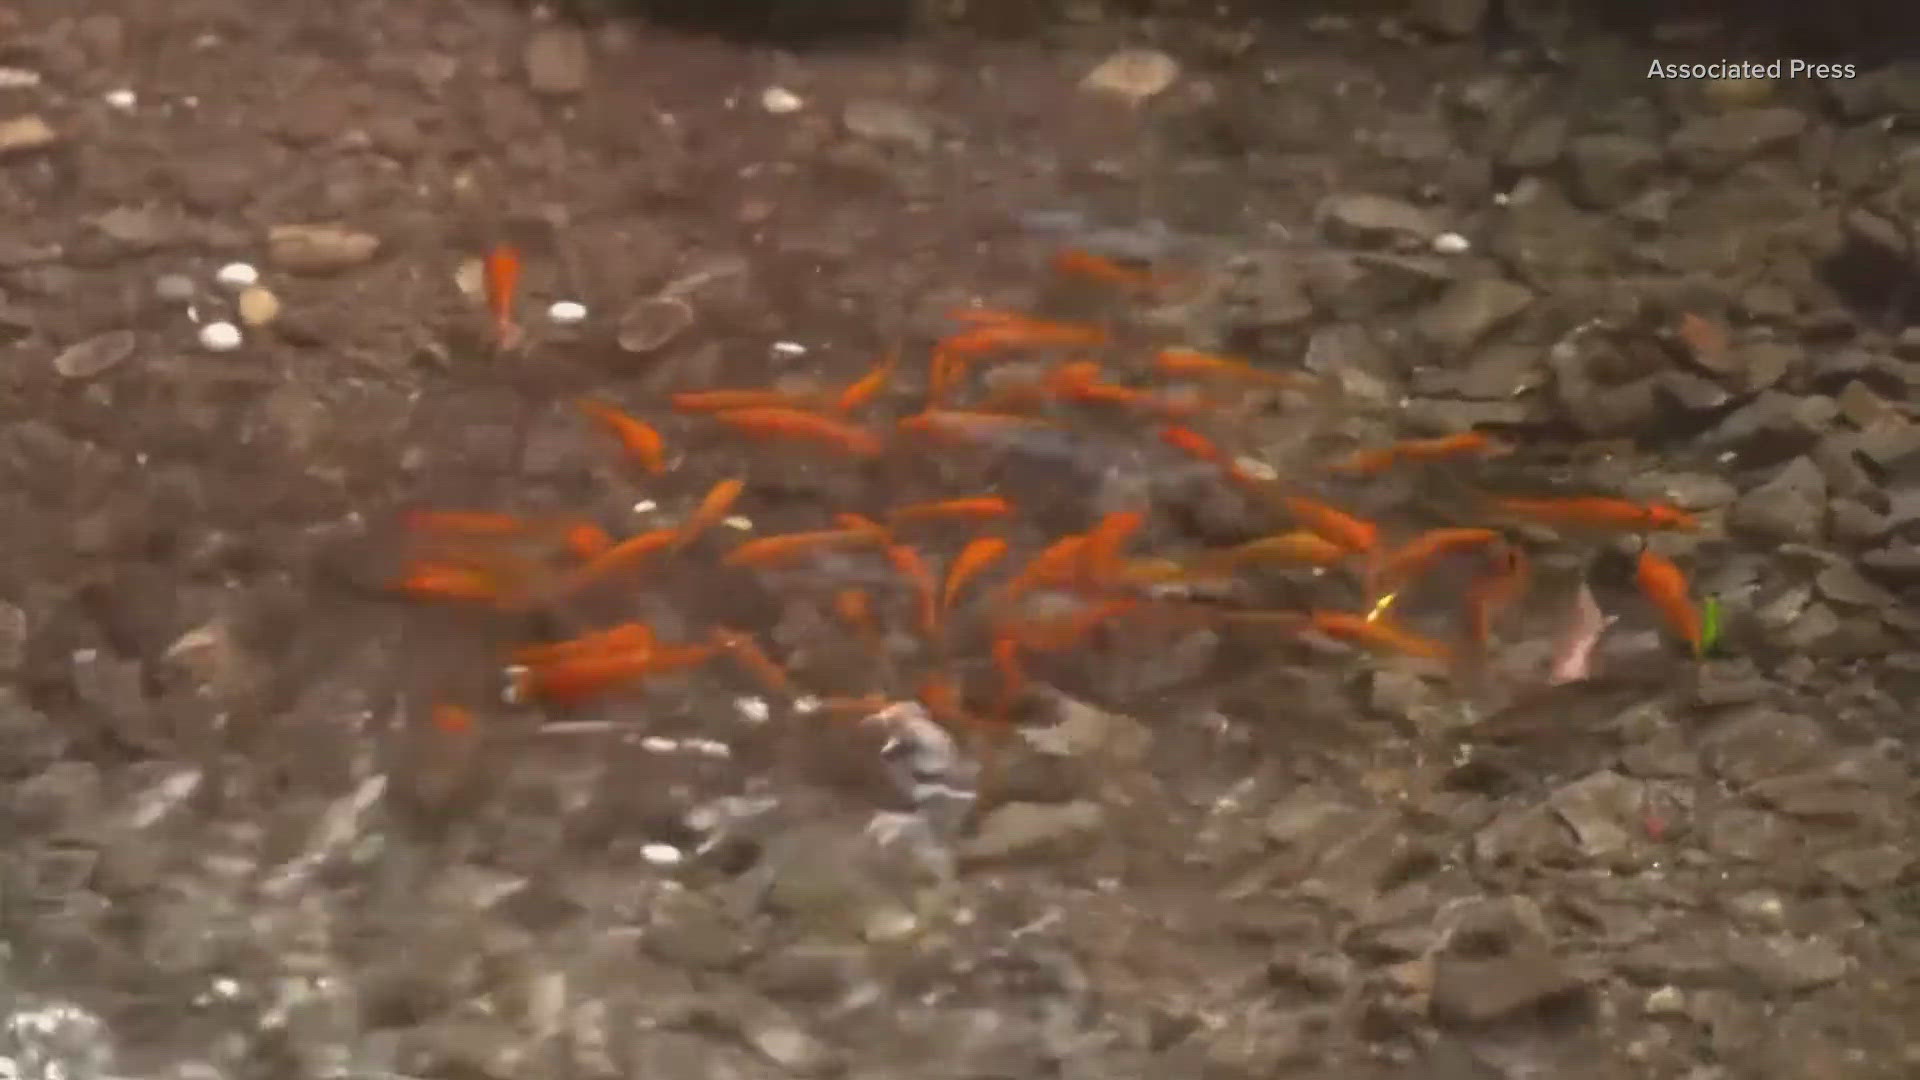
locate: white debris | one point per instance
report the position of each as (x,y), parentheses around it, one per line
(738,523)
(712,748)
(780,101)
(662,855)
(122,99)
(752,709)
(567,313)
(1255,468)
(237,275)
(659,744)
(789,348)
(13,78)
(645,506)
(1451,243)
(220,337)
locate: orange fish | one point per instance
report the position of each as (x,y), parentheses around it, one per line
(639,439)
(1073,262)
(1374,462)
(1193,444)
(1193,364)
(974,508)
(754,660)
(437,581)
(980,316)
(1496,590)
(772,550)
(864,524)
(572,679)
(1302,547)
(990,337)
(962,425)
(1410,558)
(1703,337)
(926,596)
(868,386)
(1338,526)
(1600,513)
(800,424)
(973,560)
(1100,561)
(625,637)
(1059,563)
(452,719)
(585,540)
(1665,585)
(855,608)
(1375,634)
(502,280)
(622,556)
(719,499)
(712,401)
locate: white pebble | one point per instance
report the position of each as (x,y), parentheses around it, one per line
(220,337)
(237,275)
(13,78)
(1451,243)
(753,710)
(789,348)
(662,854)
(123,99)
(659,744)
(779,100)
(567,313)
(738,523)
(645,506)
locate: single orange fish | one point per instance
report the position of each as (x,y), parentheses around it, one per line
(451,719)
(621,557)
(1100,561)
(1302,547)
(1409,559)
(981,316)
(719,499)
(626,637)
(753,660)
(436,581)
(585,540)
(961,425)
(1497,589)
(855,608)
(1193,364)
(859,393)
(973,508)
(1058,564)
(1073,262)
(502,280)
(973,560)
(637,437)
(1598,512)
(864,524)
(1376,634)
(772,550)
(1374,462)
(572,679)
(712,401)
(800,424)
(1338,526)
(984,338)
(1193,444)
(1665,585)
(926,595)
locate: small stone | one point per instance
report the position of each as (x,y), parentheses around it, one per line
(1133,75)
(567,313)
(1471,309)
(258,306)
(24,134)
(1666,1001)
(1790,507)
(1537,144)
(1451,18)
(319,249)
(121,100)
(1451,243)
(650,323)
(220,337)
(557,60)
(1362,218)
(95,355)
(1608,170)
(780,101)
(1470,990)
(237,275)
(1020,830)
(175,288)
(1714,144)
(888,122)
(1784,964)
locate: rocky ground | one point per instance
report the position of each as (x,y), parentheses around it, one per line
(233,847)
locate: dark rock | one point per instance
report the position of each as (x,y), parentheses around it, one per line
(1472,309)
(1774,427)
(1714,144)
(1363,219)
(1478,991)
(1607,170)
(1789,507)
(1761,742)
(1785,965)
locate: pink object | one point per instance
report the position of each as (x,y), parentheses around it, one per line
(1573,650)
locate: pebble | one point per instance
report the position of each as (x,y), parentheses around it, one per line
(95,355)
(25,133)
(122,99)
(237,275)
(780,101)
(567,313)
(1133,75)
(652,322)
(220,337)
(662,855)
(1451,243)
(557,60)
(176,288)
(319,249)
(258,306)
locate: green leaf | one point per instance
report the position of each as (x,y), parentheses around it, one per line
(1709,625)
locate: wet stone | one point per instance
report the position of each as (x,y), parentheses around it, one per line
(1775,426)
(1608,170)
(1761,742)
(1714,144)
(557,60)
(1854,522)
(1451,18)
(1033,830)
(888,122)
(1362,219)
(1536,144)
(1782,964)
(1843,585)
(319,249)
(1470,310)
(1892,446)
(96,355)
(1473,990)
(1789,507)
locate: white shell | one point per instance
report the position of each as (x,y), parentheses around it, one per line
(567,313)
(237,275)
(1451,243)
(123,99)
(220,337)
(779,100)
(662,854)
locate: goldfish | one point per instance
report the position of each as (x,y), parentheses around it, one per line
(712,401)
(1599,512)
(980,553)
(753,660)
(1193,364)
(1410,558)
(771,550)
(573,679)
(501,277)
(719,499)
(1013,677)
(1057,564)
(622,556)
(1100,561)
(639,439)
(799,424)
(1665,585)
(961,425)
(1073,262)
(1374,462)
(868,386)
(1302,547)
(987,337)
(438,581)
(973,508)
(1375,634)
(1496,589)
(624,637)
(452,719)
(1354,534)
(911,566)
(585,540)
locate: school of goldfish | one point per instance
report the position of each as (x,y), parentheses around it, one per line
(958,575)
